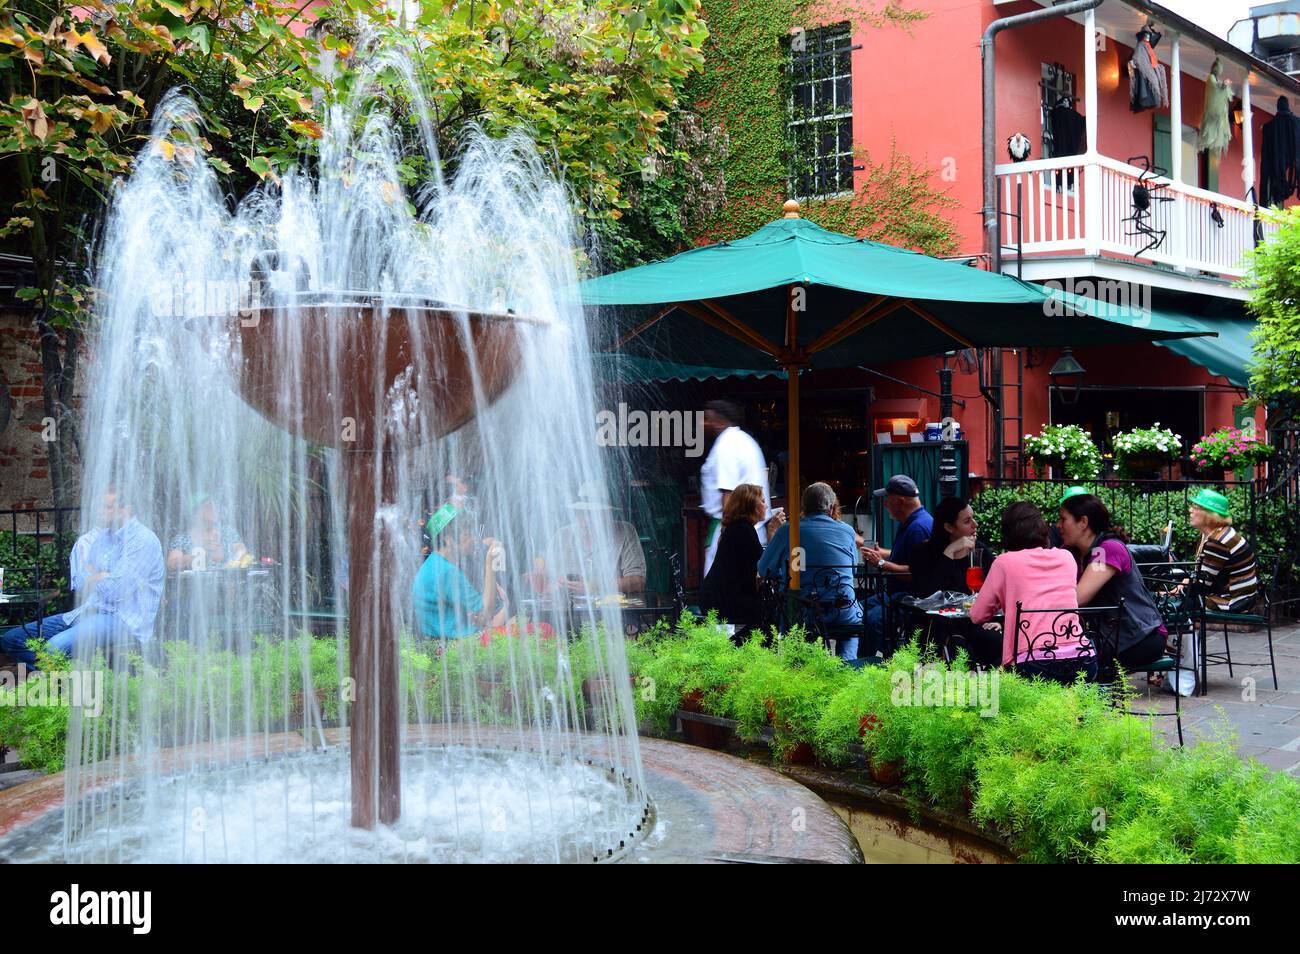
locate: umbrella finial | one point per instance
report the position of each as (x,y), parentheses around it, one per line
(791,209)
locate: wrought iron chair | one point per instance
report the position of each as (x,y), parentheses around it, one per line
(1144,204)
(1039,634)
(1096,628)
(824,591)
(1261,615)
(772,602)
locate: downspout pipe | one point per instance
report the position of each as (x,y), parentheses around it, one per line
(992,244)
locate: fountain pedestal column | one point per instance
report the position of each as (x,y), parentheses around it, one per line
(373,650)
(451,363)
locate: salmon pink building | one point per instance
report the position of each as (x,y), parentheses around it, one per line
(1112,148)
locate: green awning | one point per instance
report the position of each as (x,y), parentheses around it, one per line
(632,369)
(862,303)
(794,295)
(1229,354)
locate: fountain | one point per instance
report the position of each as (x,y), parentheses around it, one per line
(312,362)
(402,351)
(387,337)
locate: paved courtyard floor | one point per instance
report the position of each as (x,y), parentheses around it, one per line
(1265,720)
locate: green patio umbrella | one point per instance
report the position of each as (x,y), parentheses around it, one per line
(794,295)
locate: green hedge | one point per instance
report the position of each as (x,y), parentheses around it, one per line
(221,692)
(213,694)
(1144,515)
(1058,770)
(20,555)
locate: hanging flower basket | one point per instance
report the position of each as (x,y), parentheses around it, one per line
(1146,451)
(1067,448)
(1229,448)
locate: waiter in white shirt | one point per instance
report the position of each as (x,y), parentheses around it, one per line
(734,459)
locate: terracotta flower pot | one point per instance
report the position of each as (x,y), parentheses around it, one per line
(888,774)
(595,689)
(701,733)
(497,694)
(801,754)
(968,798)
(692,701)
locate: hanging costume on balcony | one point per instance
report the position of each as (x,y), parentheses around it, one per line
(1279,156)
(1148,87)
(1216,131)
(1067,129)
(1068,133)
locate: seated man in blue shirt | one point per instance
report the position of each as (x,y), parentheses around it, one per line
(903,504)
(117,573)
(447,604)
(825,542)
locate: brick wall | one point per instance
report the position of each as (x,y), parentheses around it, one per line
(24,466)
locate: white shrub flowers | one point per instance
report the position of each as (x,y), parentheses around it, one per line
(1067,446)
(1149,440)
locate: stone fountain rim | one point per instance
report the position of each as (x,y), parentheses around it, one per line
(51,796)
(728,788)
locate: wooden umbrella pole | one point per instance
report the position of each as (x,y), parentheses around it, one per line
(793,490)
(792,360)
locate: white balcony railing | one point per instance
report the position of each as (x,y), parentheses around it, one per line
(1072,205)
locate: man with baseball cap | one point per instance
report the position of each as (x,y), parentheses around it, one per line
(902,501)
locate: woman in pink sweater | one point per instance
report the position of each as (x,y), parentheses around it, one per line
(1036,577)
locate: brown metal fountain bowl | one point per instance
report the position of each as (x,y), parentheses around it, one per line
(365,361)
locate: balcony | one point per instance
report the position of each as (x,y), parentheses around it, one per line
(1084,206)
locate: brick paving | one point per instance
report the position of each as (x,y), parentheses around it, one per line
(1266,727)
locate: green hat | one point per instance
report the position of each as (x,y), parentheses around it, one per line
(441,517)
(1074,491)
(1212,501)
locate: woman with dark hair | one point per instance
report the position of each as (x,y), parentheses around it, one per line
(941,562)
(1107,574)
(1033,575)
(731,585)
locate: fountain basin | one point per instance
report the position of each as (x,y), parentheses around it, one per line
(702,807)
(365,358)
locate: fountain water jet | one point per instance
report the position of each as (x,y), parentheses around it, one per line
(388,340)
(436,368)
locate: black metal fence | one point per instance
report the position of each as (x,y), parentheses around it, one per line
(1284,468)
(35,545)
(1151,510)
(1139,506)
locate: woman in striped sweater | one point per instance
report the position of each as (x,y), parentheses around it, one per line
(1225,559)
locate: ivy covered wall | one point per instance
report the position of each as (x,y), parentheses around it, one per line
(741,91)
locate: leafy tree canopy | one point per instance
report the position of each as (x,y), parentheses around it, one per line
(1275,301)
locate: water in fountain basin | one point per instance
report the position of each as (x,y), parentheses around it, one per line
(227,668)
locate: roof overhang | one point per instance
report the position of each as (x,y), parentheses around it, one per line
(1056,267)
(1121,20)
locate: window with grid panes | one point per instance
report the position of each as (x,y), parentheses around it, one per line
(1057,86)
(819,131)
